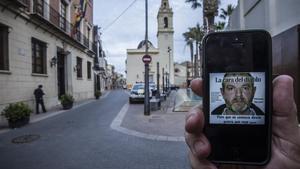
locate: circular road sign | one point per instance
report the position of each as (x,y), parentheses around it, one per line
(147,59)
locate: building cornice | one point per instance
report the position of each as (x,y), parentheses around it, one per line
(138,51)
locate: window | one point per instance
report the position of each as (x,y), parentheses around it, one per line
(63,15)
(88,33)
(4,48)
(39,56)
(79,67)
(165,22)
(89,66)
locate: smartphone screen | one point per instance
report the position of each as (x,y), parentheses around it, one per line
(237,96)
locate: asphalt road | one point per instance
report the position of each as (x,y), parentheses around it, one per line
(82,139)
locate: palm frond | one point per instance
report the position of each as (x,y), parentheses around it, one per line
(195,3)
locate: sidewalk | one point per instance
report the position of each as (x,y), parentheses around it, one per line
(163,125)
(53,111)
(166,124)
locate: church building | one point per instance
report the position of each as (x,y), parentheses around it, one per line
(163,54)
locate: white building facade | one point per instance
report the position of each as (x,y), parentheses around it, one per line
(38,48)
(274,16)
(163,54)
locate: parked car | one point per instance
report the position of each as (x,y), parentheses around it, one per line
(174,87)
(137,93)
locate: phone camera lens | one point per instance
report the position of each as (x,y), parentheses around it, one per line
(236,38)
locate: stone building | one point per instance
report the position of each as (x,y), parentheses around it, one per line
(162,54)
(48,42)
(100,62)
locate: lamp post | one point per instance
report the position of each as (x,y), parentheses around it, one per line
(146,100)
(169,51)
(167,82)
(157,79)
(163,80)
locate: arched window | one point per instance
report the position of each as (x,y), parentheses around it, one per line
(165,22)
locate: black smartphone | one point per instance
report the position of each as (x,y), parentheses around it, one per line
(237,97)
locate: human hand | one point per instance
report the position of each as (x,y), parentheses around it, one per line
(285,131)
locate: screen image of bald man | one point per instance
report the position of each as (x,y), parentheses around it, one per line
(238,96)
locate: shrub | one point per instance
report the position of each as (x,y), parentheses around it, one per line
(16,111)
(66,99)
(98,93)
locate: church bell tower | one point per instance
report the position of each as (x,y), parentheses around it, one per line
(165,38)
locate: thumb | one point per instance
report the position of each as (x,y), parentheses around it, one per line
(285,122)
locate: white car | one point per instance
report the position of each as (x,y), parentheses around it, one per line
(137,93)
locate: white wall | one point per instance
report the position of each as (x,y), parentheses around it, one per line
(274,16)
(135,66)
(19,83)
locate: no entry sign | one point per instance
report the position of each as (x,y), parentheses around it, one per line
(147,59)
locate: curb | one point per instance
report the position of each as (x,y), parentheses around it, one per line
(116,125)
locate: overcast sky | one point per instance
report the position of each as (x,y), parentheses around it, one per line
(129,29)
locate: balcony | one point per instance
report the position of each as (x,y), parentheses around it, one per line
(50,16)
(22,3)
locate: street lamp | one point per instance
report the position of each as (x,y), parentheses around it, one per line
(167,82)
(163,80)
(169,51)
(157,81)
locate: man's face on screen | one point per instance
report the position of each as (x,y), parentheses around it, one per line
(237,95)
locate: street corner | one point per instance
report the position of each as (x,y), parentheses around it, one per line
(159,126)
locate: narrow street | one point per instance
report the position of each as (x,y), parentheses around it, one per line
(81,138)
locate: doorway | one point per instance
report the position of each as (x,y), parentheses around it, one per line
(61,73)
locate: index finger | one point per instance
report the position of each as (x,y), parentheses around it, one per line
(196,86)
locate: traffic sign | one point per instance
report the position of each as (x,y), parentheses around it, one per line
(147,59)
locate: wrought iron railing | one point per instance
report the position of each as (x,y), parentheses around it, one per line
(44,10)
(22,2)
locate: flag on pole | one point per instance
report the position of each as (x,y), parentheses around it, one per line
(79,15)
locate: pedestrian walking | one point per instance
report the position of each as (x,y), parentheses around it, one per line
(38,93)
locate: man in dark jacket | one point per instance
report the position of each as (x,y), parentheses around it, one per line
(38,93)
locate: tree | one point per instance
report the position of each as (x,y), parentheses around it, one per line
(225,13)
(210,10)
(190,42)
(195,3)
(220,26)
(195,34)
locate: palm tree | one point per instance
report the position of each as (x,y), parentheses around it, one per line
(225,13)
(195,34)
(210,10)
(190,42)
(195,3)
(199,34)
(220,26)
